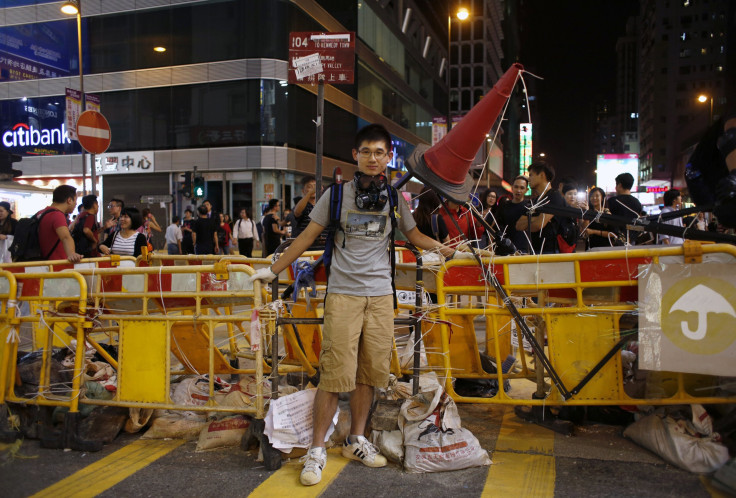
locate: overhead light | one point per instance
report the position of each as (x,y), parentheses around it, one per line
(463,13)
(159,49)
(70,7)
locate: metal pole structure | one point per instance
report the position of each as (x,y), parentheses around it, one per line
(449,57)
(320,135)
(84,102)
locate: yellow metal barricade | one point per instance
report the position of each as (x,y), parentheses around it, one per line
(581,307)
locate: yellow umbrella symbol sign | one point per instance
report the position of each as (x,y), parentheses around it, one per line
(698,313)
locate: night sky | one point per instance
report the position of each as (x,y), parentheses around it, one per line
(572,45)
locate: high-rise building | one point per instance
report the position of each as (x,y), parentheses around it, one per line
(627,100)
(683,54)
(477,63)
(187,83)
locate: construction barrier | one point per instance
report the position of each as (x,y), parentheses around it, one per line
(162,316)
(576,305)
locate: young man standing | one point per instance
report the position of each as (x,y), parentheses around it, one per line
(174,236)
(359,315)
(672,202)
(246,234)
(114,207)
(86,229)
(272,230)
(187,225)
(543,231)
(508,213)
(623,203)
(53,233)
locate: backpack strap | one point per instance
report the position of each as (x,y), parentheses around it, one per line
(393,205)
(435,226)
(333,226)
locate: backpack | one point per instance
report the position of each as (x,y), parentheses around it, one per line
(567,234)
(26,245)
(334,226)
(81,242)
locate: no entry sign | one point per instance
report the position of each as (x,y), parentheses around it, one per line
(93,132)
(315,56)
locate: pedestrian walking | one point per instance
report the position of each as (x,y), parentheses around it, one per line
(174,236)
(246,233)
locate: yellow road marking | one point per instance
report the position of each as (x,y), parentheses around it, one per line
(523,464)
(285,481)
(107,472)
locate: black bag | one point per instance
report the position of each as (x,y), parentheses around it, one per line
(26,245)
(81,242)
(567,229)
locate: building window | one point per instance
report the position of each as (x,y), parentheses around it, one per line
(466,54)
(466,105)
(478,53)
(465,77)
(478,76)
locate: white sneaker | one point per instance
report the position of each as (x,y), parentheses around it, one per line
(314,462)
(363,451)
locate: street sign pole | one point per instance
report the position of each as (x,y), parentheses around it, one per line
(93,173)
(320,135)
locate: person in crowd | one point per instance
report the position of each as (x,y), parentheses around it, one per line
(427,217)
(127,241)
(469,228)
(488,199)
(210,211)
(598,234)
(174,236)
(508,213)
(272,230)
(115,208)
(285,224)
(672,202)
(54,238)
(231,244)
(246,233)
(187,224)
(623,203)
(303,207)
(700,221)
(566,182)
(567,226)
(149,225)
(80,210)
(542,232)
(86,231)
(224,234)
(204,233)
(358,325)
(7,222)
(7,230)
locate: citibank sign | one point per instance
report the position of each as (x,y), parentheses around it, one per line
(22,135)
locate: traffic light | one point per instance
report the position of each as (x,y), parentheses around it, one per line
(187,190)
(198,187)
(6,165)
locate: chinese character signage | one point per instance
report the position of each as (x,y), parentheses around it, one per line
(121,163)
(38,50)
(315,56)
(74,109)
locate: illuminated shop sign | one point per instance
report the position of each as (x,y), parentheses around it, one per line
(525,147)
(23,135)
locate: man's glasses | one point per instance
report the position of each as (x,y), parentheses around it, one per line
(378,154)
(110,206)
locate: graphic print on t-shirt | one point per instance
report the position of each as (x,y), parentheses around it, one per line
(364,225)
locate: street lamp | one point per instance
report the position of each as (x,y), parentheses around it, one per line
(703,99)
(462,14)
(74,7)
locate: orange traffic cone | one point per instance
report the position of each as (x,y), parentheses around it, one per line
(446,165)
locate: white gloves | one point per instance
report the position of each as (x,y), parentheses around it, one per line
(264,274)
(458,255)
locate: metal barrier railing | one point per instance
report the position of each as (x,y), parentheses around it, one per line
(580,300)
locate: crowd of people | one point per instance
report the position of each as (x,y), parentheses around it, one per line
(127,230)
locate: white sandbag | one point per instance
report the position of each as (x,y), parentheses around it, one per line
(434,440)
(390,444)
(139,417)
(221,433)
(677,444)
(192,391)
(289,421)
(175,428)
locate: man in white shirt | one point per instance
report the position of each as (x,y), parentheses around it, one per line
(174,236)
(246,233)
(672,202)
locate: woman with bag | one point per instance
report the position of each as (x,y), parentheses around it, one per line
(598,234)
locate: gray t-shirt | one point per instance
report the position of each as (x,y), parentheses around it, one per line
(363,266)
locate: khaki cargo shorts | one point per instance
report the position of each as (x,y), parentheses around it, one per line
(357,340)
